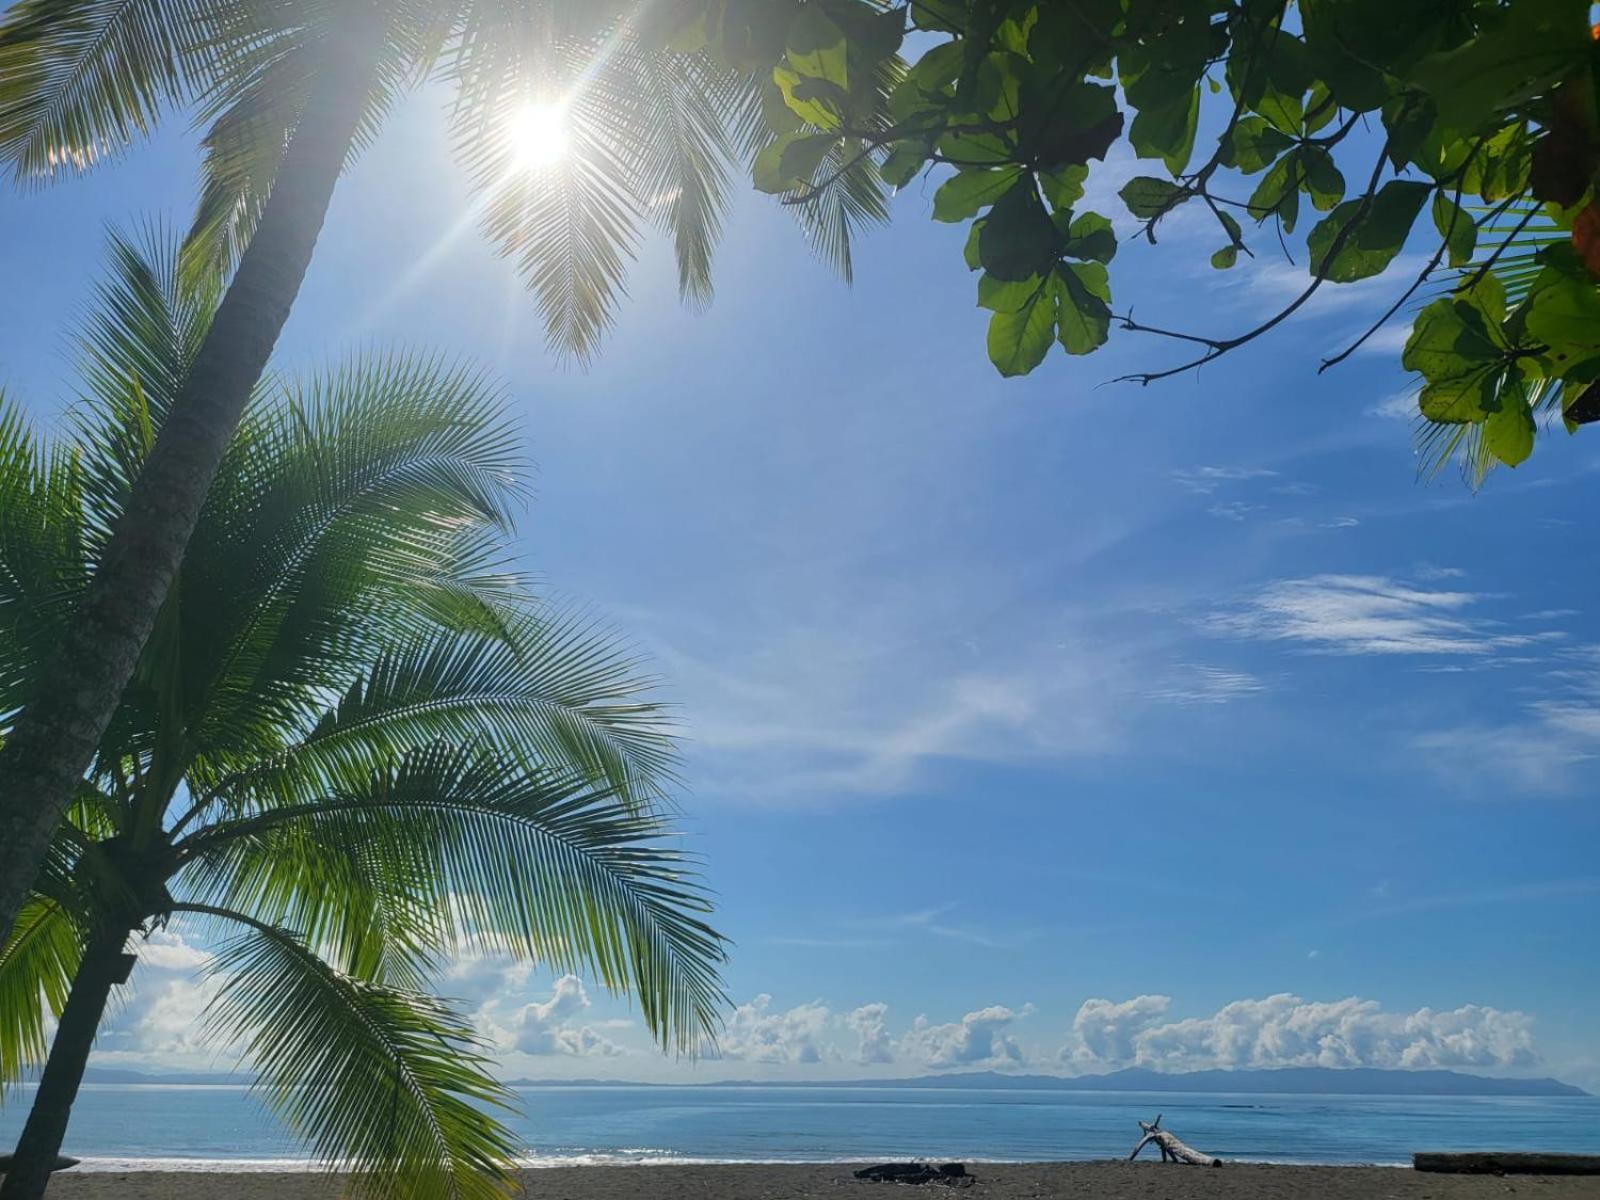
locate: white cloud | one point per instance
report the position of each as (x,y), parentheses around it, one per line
(1233,510)
(1205,480)
(871,1027)
(1287,1031)
(548,1027)
(1549,746)
(1103,1032)
(1369,614)
(1196,683)
(1400,406)
(755,1033)
(170,952)
(979,1039)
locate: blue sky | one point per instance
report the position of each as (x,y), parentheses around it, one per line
(1046,724)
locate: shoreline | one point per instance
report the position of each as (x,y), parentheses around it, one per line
(1102,1180)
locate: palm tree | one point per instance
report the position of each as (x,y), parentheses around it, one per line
(288,92)
(351,747)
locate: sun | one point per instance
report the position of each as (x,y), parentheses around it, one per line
(538,135)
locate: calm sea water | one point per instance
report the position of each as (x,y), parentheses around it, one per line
(225,1127)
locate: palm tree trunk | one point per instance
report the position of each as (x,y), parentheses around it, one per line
(102,968)
(55,737)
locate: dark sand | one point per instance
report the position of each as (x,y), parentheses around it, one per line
(1024,1181)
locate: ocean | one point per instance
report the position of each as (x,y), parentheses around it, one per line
(122,1126)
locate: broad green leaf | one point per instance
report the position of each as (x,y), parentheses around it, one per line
(1502,165)
(1006,295)
(970,251)
(1064,187)
(1563,313)
(966,193)
(1019,338)
(1253,144)
(1508,432)
(1460,357)
(817,48)
(1147,196)
(1278,193)
(1374,236)
(1167,132)
(1456,227)
(1521,50)
(1225,258)
(1090,236)
(1018,237)
(903,163)
(1083,306)
(1323,181)
(790,160)
(816,101)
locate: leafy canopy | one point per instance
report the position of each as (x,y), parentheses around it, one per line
(354,746)
(1481,110)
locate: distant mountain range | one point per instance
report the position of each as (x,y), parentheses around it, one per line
(1314,1081)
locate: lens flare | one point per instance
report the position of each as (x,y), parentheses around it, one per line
(538,136)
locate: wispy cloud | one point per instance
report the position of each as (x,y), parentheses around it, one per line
(1205,480)
(1550,745)
(1551,889)
(1197,683)
(1370,614)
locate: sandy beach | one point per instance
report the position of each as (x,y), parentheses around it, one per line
(834,1181)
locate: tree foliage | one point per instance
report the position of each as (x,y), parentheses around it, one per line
(1365,124)
(354,747)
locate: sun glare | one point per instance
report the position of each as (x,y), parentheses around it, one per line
(538,136)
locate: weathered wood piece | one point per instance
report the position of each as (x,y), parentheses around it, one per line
(1172,1150)
(1506,1162)
(61,1164)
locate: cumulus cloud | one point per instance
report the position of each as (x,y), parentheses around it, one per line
(1370,614)
(755,1033)
(1104,1031)
(170,952)
(870,1025)
(979,1039)
(1287,1031)
(548,1027)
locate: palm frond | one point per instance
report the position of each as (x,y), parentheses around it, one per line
(136,343)
(385,1082)
(36,969)
(81,79)
(553,689)
(43,566)
(649,143)
(347,517)
(530,863)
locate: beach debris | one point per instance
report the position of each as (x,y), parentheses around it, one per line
(1497,1162)
(948,1174)
(61,1164)
(1171,1148)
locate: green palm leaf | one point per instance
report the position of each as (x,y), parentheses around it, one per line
(387,1083)
(552,688)
(530,863)
(80,80)
(36,968)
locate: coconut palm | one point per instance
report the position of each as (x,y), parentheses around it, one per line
(287,91)
(352,747)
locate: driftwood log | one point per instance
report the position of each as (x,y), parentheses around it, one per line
(61,1164)
(1172,1150)
(1492,1162)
